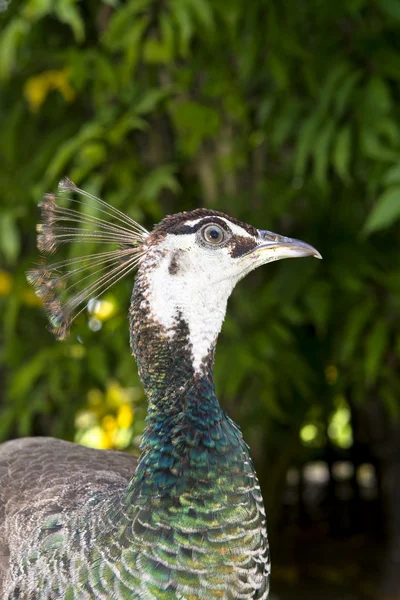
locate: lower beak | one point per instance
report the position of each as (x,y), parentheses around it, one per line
(280,247)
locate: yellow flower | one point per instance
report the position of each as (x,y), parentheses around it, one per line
(109,423)
(116,394)
(104,310)
(95,437)
(125,416)
(84,419)
(106,422)
(37,88)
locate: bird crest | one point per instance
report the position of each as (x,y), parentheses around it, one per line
(66,287)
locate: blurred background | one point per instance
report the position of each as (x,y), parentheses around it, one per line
(284,114)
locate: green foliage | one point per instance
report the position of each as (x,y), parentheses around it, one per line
(386,210)
(283,114)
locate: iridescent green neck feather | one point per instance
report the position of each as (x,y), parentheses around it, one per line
(195,485)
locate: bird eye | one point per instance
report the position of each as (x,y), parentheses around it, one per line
(213,234)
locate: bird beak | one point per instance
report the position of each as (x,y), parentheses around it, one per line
(277,247)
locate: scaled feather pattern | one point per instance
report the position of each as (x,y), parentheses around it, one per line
(186,520)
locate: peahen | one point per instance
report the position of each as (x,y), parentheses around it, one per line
(186,520)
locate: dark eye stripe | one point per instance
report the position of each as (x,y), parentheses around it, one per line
(179,223)
(239,246)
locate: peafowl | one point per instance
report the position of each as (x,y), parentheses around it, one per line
(186,520)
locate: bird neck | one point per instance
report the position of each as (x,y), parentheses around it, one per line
(172,339)
(184,416)
(189,443)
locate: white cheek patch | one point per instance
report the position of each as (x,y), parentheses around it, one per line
(197,293)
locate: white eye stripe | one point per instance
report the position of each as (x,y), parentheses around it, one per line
(235,229)
(194,222)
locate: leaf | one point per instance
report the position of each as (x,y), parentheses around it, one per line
(26,375)
(305,143)
(6,422)
(385,212)
(355,325)
(342,153)
(97,364)
(37,9)
(182,16)
(9,237)
(68,150)
(160,51)
(389,129)
(322,149)
(319,303)
(201,9)
(265,110)
(150,99)
(343,94)
(69,14)
(389,62)
(123,22)
(284,123)
(11,38)
(133,47)
(278,70)
(377,101)
(92,154)
(374,148)
(121,128)
(392,175)
(194,123)
(376,346)
(329,87)
(391,8)
(161,178)
(390,399)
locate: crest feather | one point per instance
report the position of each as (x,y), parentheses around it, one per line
(66,287)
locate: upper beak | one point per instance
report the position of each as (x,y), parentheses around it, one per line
(284,247)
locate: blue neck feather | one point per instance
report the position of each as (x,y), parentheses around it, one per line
(188,437)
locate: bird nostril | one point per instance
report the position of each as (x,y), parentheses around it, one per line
(271,237)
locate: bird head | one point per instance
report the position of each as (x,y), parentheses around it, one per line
(187,265)
(208,242)
(193,260)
